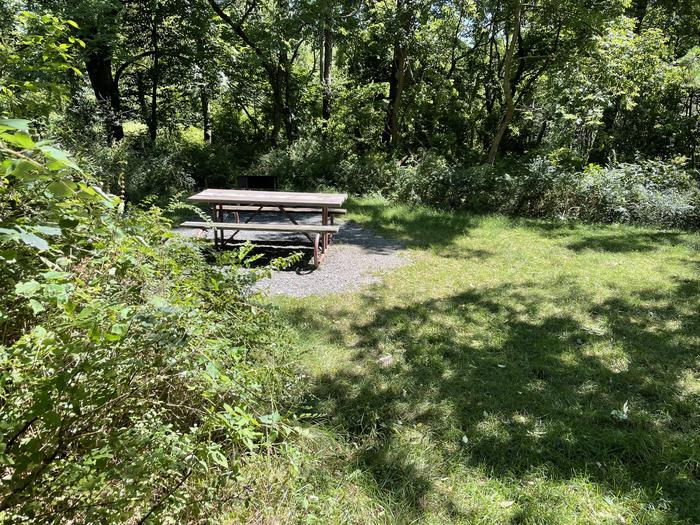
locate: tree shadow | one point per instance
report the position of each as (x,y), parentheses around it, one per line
(416,227)
(630,242)
(530,390)
(605,238)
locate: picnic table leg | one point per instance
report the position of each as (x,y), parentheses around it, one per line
(317,256)
(214,214)
(325,221)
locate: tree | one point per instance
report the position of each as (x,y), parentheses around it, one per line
(267,29)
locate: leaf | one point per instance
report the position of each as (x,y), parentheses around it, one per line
(47,230)
(60,189)
(621,415)
(110,200)
(60,158)
(54,153)
(9,234)
(34,241)
(55,276)
(270,419)
(22,169)
(20,139)
(37,307)
(72,23)
(219,458)
(27,289)
(119,329)
(14,123)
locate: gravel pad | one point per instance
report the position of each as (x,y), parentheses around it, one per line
(356,257)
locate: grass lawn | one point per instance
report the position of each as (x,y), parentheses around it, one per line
(517,371)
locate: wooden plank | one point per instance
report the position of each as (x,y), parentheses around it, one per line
(271,227)
(269,198)
(332,211)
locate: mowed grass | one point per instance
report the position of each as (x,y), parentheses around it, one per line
(516,371)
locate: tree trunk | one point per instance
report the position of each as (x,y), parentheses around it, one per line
(326,72)
(99,69)
(397,80)
(141,95)
(507,87)
(396,85)
(277,102)
(540,135)
(206,124)
(289,124)
(155,74)
(601,147)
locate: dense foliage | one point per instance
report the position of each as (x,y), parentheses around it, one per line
(134,376)
(369,95)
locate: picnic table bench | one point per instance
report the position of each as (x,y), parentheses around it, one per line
(286,203)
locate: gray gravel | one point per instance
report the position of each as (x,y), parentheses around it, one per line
(356,257)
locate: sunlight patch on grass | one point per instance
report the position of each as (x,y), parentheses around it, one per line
(487,381)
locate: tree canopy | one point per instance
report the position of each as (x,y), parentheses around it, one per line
(472,79)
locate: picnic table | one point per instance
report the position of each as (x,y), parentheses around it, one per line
(287,204)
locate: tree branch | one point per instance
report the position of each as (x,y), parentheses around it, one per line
(238,30)
(132,60)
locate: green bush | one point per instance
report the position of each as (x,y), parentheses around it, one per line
(647,192)
(136,169)
(304,165)
(135,378)
(179,162)
(651,192)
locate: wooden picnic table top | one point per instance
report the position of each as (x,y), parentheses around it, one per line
(269,198)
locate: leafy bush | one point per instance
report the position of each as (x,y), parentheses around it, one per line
(647,192)
(177,163)
(304,165)
(427,181)
(310,165)
(134,377)
(136,170)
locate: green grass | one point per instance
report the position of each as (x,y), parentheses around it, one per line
(513,341)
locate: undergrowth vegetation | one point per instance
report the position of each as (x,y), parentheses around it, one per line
(136,376)
(652,192)
(646,192)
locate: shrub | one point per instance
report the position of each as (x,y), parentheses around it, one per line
(429,180)
(648,192)
(304,165)
(651,192)
(136,169)
(179,162)
(134,378)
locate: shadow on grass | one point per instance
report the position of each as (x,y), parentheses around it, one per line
(533,392)
(639,242)
(605,238)
(416,227)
